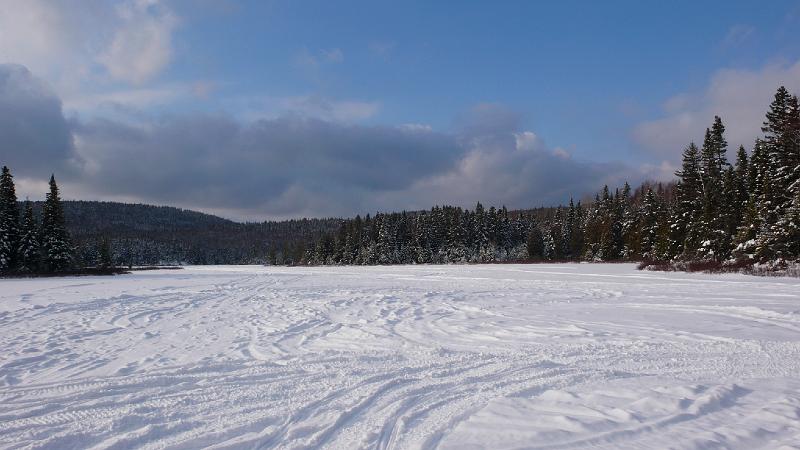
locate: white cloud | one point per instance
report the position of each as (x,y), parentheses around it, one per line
(142,44)
(89,47)
(416,127)
(286,166)
(312,61)
(738,35)
(316,106)
(47,37)
(741,97)
(334,55)
(129,98)
(381,49)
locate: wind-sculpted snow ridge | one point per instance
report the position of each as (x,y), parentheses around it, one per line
(417,357)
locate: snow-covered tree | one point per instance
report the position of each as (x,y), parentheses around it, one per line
(56,244)
(9,221)
(28,253)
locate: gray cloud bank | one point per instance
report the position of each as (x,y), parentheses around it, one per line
(285,167)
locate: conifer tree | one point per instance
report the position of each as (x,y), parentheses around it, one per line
(9,221)
(29,256)
(786,244)
(56,245)
(732,207)
(757,170)
(742,175)
(549,248)
(5,250)
(456,237)
(714,241)
(104,259)
(535,243)
(651,210)
(781,130)
(686,227)
(780,180)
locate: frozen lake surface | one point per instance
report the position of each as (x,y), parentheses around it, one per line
(451,357)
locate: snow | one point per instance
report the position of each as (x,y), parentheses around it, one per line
(451,357)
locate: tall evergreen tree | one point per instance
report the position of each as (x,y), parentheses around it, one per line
(104,259)
(56,244)
(29,256)
(782,142)
(782,177)
(742,169)
(535,243)
(714,240)
(9,221)
(650,225)
(5,250)
(685,232)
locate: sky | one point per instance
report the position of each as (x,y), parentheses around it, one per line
(257,110)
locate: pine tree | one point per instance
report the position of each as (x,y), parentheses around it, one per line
(781,130)
(714,241)
(483,249)
(535,243)
(757,170)
(29,256)
(732,207)
(549,248)
(781,178)
(787,243)
(104,259)
(742,175)
(456,237)
(9,221)
(719,146)
(685,230)
(5,250)
(576,232)
(56,245)
(650,214)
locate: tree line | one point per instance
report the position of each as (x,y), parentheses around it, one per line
(29,245)
(716,212)
(101,236)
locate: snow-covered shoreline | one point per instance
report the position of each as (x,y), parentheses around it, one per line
(484,356)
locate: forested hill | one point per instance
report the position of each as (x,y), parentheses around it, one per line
(146,234)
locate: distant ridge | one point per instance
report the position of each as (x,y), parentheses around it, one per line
(142,234)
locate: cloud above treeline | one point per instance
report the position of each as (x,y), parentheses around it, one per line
(288,166)
(740,97)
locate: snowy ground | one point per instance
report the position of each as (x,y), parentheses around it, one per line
(452,357)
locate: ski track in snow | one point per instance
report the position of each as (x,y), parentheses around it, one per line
(418,357)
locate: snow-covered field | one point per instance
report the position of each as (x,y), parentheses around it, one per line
(452,357)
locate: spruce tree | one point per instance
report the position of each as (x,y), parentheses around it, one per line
(5,250)
(104,259)
(780,180)
(781,130)
(9,221)
(732,207)
(535,243)
(757,170)
(56,245)
(28,253)
(650,214)
(714,241)
(787,242)
(456,237)
(685,232)
(742,176)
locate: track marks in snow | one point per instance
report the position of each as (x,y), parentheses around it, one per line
(559,356)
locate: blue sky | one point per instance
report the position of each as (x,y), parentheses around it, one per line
(580,73)
(605,90)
